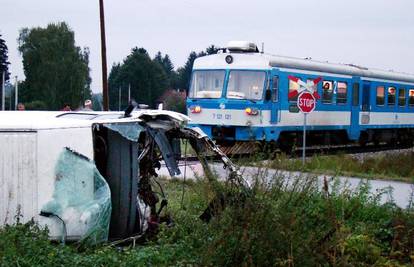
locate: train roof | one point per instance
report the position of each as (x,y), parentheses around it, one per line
(265,61)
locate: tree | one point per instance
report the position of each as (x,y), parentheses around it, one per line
(4,63)
(167,65)
(184,73)
(146,78)
(56,70)
(174,100)
(212,49)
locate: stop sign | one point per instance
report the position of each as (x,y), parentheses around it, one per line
(306,102)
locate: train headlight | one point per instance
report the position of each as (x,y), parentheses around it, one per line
(195,109)
(251,111)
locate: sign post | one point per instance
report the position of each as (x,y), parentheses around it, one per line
(307,95)
(306,104)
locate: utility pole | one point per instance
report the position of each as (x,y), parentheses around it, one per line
(129,94)
(3,97)
(16,94)
(103,57)
(119,99)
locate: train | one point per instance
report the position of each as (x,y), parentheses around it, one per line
(241,96)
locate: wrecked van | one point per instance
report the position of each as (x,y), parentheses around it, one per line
(85,175)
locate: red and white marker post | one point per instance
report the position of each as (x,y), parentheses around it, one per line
(308,94)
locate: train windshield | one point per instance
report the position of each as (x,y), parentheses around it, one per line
(207,84)
(246,84)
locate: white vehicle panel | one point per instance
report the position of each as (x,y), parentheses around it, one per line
(18,176)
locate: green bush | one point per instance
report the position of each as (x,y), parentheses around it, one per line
(396,166)
(282,222)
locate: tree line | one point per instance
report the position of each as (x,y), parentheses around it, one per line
(57,73)
(151,80)
(4,65)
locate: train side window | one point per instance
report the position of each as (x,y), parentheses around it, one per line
(401,97)
(342,93)
(327,92)
(411,97)
(275,88)
(391,96)
(380,95)
(293,86)
(355,94)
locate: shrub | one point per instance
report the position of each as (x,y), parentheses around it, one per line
(283,221)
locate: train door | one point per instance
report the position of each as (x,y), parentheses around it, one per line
(366,90)
(354,127)
(366,106)
(274,99)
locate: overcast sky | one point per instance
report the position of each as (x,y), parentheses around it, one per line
(372,33)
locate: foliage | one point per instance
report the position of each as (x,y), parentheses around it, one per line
(184,73)
(285,221)
(36,105)
(4,64)
(168,67)
(397,166)
(174,100)
(150,79)
(146,78)
(56,70)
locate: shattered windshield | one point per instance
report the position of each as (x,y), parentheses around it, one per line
(246,84)
(81,199)
(207,84)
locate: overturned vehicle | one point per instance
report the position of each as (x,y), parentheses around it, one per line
(86,175)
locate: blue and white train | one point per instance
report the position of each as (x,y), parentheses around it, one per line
(240,95)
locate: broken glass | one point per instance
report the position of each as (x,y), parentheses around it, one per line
(81,199)
(130,131)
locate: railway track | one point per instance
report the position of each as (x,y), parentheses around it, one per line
(310,151)
(348,149)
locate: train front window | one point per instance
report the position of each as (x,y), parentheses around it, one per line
(246,84)
(207,84)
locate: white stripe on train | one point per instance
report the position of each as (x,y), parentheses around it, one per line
(235,117)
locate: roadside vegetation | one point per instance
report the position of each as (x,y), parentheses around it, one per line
(285,222)
(398,166)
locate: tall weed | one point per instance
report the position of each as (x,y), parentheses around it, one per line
(283,221)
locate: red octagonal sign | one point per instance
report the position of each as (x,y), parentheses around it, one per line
(306,102)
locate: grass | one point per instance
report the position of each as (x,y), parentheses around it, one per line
(390,166)
(285,222)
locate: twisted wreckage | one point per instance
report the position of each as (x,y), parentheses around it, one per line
(86,175)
